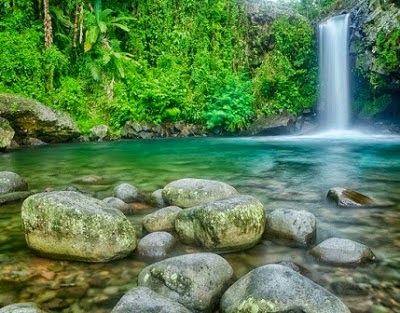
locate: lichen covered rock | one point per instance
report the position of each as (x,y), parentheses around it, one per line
(196,281)
(162,219)
(70,225)
(278,289)
(189,192)
(228,224)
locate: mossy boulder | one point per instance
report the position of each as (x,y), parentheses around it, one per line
(30,118)
(11,182)
(6,133)
(73,226)
(229,224)
(162,219)
(278,289)
(196,280)
(188,192)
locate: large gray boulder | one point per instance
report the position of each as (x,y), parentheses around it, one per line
(349,198)
(11,182)
(145,300)
(340,251)
(196,281)
(73,226)
(162,219)
(279,124)
(229,224)
(6,134)
(278,289)
(188,192)
(30,118)
(297,228)
(27,307)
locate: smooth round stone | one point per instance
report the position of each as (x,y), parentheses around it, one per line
(11,182)
(189,192)
(117,204)
(162,219)
(156,244)
(340,251)
(126,192)
(297,228)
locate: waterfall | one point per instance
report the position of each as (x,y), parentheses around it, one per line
(334,99)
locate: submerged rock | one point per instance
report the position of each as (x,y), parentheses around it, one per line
(11,182)
(27,307)
(196,281)
(157,199)
(278,289)
(145,300)
(14,196)
(350,198)
(189,192)
(70,225)
(30,118)
(161,220)
(340,251)
(6,134)
(297,228)
(228,224)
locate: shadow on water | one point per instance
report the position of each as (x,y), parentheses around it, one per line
(283,172)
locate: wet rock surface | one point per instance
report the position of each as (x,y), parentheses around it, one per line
(6,134)
(277,288)
(30,118)
(162,219)
(340,251)
(196,281)
(188,192)
(21,308)
(350,198)
(11,182)
(126,192)
(228,224)
(156,245)
(14,196)
(145,300)
(293,227)
(70,225)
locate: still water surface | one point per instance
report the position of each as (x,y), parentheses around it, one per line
(283,172)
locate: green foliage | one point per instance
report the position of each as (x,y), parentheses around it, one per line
(230,107)
(387,52)
(286,80)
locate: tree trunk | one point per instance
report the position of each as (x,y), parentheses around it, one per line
(48,30)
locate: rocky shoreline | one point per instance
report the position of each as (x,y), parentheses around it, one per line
(207,217)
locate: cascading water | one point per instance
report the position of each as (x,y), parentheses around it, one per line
(334,101)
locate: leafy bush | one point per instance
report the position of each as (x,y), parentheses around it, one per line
(230,107)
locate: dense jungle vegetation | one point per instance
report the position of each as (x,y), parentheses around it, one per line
(160,60)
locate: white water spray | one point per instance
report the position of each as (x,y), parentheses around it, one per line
(334,101)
